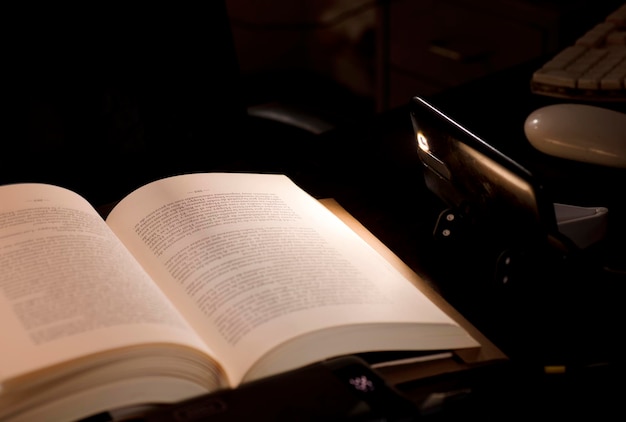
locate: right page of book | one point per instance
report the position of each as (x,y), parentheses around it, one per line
(253,262)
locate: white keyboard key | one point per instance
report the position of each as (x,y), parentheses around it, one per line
(565,57)
(556,77)
(608,83)
(615,78)
(589,81)
(616,38)
(587,60)
(614,57)
(597,35)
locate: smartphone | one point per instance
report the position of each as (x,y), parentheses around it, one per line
(498,222)
(491,190)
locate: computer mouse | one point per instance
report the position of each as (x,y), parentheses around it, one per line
(579,132)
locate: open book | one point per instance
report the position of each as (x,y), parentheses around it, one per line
(194,283)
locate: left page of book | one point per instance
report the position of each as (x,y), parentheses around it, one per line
(70,293)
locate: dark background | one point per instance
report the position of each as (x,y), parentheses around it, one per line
(102,99)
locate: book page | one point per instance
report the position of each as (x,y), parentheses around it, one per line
(253,261)
(69,288)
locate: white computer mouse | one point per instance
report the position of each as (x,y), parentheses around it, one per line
(579,132)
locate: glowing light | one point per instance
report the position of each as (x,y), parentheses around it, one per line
(362,383)
(422,142)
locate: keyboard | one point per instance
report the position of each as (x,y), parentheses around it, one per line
(592,69)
